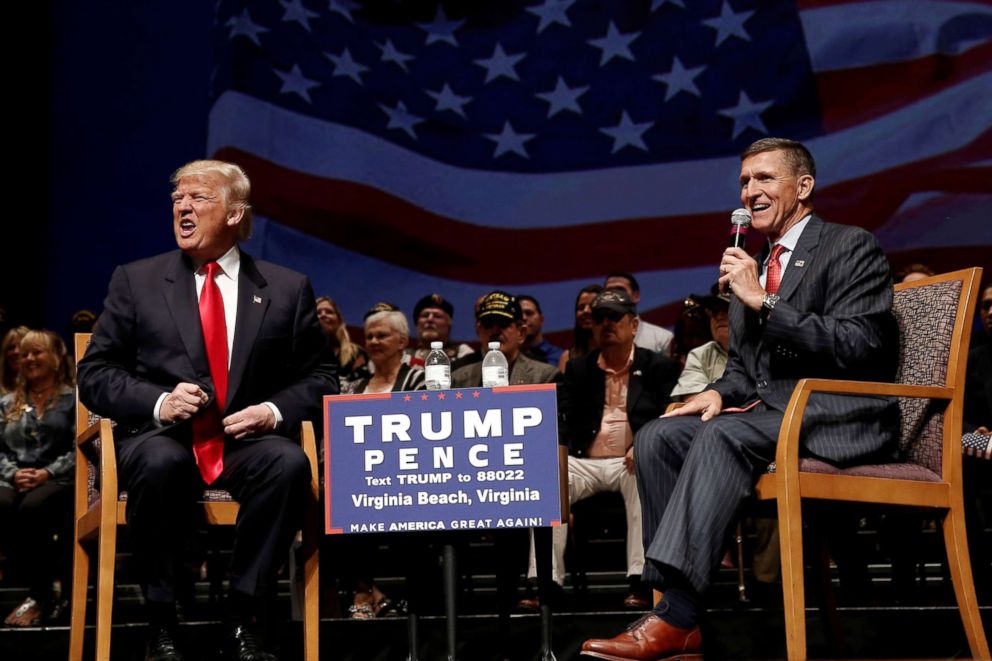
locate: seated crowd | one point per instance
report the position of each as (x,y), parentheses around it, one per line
(615,376)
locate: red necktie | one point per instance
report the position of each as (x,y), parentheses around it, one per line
(774,276)
(208,433)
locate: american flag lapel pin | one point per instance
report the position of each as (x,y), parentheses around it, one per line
(256,299)
(800,262)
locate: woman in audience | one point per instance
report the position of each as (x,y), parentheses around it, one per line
(583,341)
(352,358)
(10,352)
(36,474)
(386,336)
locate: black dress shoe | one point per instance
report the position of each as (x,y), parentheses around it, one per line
(162,646)
(241,645)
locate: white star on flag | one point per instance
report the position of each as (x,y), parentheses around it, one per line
(510,141)
(627,133)
(344,65)
(441,29)
(679,79)
(400,118)
(447,100)
(294,82)
(563,97)
(391,54)
(552,11)
(746,114)
(500,64)
(242,26)
(729,24)
(614,44)
(295,11)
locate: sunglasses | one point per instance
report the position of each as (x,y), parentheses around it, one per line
(599,316)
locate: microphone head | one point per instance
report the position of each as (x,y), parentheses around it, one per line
(741,217)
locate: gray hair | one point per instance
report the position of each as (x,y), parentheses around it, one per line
(395,319)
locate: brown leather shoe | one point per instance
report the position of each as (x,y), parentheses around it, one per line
(648,639)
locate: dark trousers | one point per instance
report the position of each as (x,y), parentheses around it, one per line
(29,523)
(268,476)
(692,478)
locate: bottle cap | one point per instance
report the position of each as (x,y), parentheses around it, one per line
(493,345)
(437,345)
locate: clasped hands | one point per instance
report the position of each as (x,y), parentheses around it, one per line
(739,272)
(188,398)
(27,479)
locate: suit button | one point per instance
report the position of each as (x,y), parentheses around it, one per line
(762,384)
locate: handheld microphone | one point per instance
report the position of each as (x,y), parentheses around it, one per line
(740,220)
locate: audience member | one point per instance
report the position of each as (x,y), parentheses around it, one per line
(432,314)
(10,358)
(605,397)
(386,335)
(705,364)
(912,272)
(209,361)
(535,344)
(37,458)
(816,303)
(691,329)
(582,339)
(649,336)
(500,320)
(352,359)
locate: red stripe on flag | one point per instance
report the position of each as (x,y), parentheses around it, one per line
(853,96)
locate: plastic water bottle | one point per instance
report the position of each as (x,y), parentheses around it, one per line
(437,368)
(495,370)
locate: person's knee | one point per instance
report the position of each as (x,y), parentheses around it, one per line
(289,463)
(160,467)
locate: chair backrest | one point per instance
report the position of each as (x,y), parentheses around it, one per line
(934,318)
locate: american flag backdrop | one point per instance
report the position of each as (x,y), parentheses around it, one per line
(398,148)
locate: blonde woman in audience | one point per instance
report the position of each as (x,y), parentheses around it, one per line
(352,359)
(10,352)
(36,473)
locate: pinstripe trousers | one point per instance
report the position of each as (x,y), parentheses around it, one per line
(692,478)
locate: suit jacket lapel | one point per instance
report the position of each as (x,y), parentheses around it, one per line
(180,296)
(252,305)
(803,255)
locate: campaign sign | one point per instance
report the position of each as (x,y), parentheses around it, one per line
(470,458)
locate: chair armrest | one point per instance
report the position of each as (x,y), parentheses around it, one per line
(787,450)
(309,443)
(86,436)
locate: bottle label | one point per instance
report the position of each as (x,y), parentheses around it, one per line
(438,377)
(494,375)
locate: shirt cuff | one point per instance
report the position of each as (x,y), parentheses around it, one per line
(156,412)
(275,412)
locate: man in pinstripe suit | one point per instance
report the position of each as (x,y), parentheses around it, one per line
(814,303)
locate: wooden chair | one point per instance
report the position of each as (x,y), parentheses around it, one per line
(100,508)
(934,317)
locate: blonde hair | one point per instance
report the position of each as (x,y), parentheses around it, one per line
(235,186)
(64,370)
(8,377)
(347,350)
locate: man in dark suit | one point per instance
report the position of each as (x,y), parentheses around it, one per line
(605,398)
(209,361)
(815,303)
